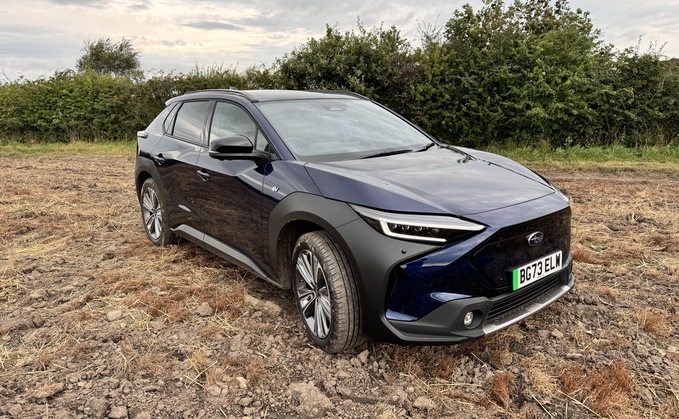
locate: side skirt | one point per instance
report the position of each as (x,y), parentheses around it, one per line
(225,251)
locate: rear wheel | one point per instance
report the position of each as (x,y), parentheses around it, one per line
(153,215)
(326,294)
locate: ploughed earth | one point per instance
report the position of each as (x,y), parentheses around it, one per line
(95,321)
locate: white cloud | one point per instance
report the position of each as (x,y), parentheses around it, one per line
(42,37)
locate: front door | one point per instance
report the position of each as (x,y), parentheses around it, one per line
(230,194)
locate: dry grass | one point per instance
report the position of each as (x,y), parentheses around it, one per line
(501,388)
(656,322)
(72,249)
(605,390)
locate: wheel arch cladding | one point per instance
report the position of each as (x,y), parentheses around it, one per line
(297,214)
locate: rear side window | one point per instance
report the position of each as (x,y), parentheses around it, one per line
(189,121)
(157,123)
(168,125)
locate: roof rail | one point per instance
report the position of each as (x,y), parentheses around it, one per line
(230,91)
(342,92)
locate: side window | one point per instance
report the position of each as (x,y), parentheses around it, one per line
(169,120)
(232,120)
(157,123)
(262,143)
(189,121)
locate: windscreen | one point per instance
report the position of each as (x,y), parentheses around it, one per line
(338,129)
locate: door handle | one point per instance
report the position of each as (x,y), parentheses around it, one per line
(158,158)
(203,174)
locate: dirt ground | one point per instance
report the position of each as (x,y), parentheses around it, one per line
(97,322)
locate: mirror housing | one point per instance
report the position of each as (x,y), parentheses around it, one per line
(236,147)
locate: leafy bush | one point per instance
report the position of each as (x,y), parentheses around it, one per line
(67,106)
(531,72)
(377,63)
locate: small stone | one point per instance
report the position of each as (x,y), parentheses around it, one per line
(214,391)
(37,295)
(48,391)
(311,400)
(15,410)
(271,308)
(204,310)
(646,396)
(142,415)
(363,357)
(242,382)
(543,334)
(557,334)
(97,407)
(114,315)
(118,412)
(37,322)
(245,401)
(425,403)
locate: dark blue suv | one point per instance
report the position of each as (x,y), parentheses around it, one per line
(380,230)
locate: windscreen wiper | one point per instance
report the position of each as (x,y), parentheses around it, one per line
(398,151)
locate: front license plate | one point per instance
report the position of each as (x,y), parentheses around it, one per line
(536,270)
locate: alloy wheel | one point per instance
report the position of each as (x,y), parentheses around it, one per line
(313,294)
(152,213)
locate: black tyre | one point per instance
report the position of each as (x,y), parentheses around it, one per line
(153,215)
(326,294)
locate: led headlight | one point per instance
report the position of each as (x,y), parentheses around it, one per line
(425,228)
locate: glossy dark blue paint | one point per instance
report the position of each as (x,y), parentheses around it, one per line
(249,206)
(435,181)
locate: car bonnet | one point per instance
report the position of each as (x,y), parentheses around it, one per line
(440,180)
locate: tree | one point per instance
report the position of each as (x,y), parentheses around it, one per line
(103,56)
(531,71)
(376,63)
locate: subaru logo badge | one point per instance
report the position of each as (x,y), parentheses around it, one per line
(535,238)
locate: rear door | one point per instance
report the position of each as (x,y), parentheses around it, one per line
(176,156)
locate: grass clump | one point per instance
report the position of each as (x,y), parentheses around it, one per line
(73,148)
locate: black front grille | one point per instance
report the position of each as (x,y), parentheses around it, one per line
(524,296)
(508,249)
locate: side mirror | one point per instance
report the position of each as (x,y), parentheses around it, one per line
(237,144)
(237,147)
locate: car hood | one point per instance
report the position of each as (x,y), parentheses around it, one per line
(439,180)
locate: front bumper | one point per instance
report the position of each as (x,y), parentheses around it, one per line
(418,293)
(445,324)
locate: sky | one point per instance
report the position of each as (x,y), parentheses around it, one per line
(39,37)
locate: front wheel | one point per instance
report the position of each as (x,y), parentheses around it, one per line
(153,215)
(326,294)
